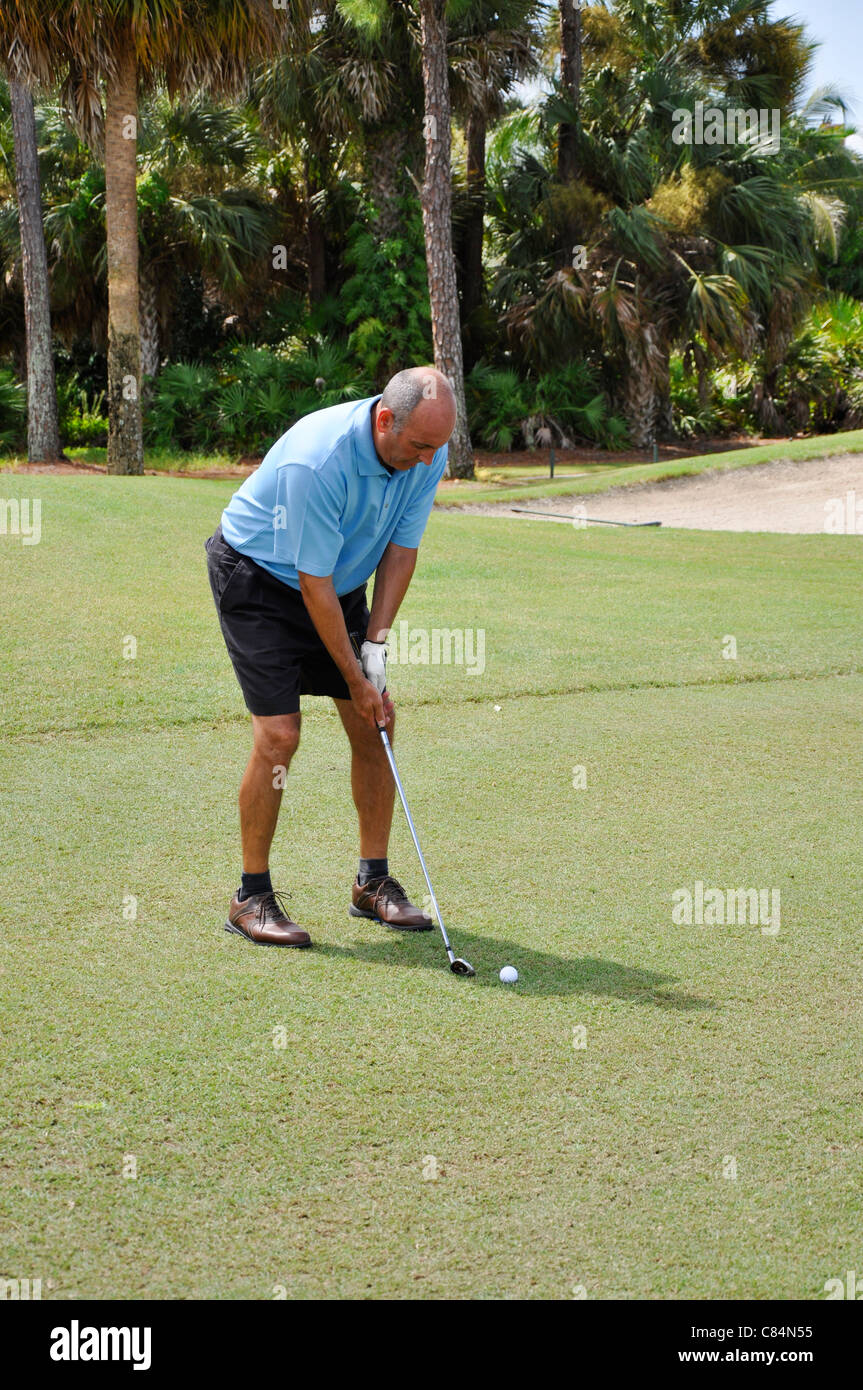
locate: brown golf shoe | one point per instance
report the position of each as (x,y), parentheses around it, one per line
(384,900)
(263,920)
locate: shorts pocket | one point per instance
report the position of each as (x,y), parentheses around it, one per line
(235,591)
(223,566)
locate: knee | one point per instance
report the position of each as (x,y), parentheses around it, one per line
(277,739)
(366,740)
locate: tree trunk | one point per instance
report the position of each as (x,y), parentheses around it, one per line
(639,399)
(472,283)
(317,253)
(316,246)
(125,443)
(570,81)
(780,331)
(43,436)
(386,177)
(437,222)
(149,310)
(767,412)
(664,409)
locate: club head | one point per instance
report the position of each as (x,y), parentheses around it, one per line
(462,967)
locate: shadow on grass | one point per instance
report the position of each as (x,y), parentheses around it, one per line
(539,973)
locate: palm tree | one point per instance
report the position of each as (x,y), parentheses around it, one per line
(437,221)
(189,220)
(570,82)
(342,109)
(123,44)
(493,44)
(712,249)
(125,426)
(365,55)
(43,436)
(192,228)
(357,80)
(310,152)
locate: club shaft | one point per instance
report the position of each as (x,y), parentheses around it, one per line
(594,520)
(409,819)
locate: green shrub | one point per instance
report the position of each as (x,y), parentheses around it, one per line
(183,411)
(570,404)
(727,408)
(386,298)
(251,396)
(13,410)
(559,407)
(498,402)
(253,413)
(819,383)
(82,418)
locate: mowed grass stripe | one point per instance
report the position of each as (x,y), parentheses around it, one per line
(593,688)
(560,609)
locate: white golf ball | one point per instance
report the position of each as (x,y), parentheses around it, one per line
(509,975)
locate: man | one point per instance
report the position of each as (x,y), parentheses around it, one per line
(342,495)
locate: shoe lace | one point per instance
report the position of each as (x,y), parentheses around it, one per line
(392,888)
(274,901)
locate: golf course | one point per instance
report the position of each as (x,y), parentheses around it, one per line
(655,1110)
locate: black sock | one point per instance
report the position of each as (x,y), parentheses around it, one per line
(255,883)
(372,868)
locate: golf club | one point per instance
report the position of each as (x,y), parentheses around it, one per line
(595,520)
(457,966)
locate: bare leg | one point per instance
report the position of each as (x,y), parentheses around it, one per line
(371,780)
(275,743)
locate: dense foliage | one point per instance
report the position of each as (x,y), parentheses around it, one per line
(666,289)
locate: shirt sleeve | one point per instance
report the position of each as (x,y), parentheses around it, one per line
(309,507)
(412,522)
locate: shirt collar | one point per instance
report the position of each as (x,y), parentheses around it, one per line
(368,463)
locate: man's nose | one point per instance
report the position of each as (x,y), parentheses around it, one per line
(428,457)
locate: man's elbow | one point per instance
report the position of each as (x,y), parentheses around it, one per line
(407,554)
(311,584)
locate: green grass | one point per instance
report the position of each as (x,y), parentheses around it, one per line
(164,460)
(628,474)
(530,479)
(558,1167)
(125,558)
(161,460)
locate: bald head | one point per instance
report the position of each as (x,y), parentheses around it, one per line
(414,417)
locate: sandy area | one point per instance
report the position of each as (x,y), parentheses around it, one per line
(788,496)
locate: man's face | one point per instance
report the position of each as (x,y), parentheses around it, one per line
(424,432)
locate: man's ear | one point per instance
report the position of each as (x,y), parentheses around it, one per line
(384,418)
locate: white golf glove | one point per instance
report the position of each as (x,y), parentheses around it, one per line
(374,662)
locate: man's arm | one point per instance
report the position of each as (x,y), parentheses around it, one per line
(392,577)
(325,611)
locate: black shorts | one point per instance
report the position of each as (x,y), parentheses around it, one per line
(271,640)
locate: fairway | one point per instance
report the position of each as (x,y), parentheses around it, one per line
(654,1111)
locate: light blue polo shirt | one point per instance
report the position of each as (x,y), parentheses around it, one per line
(322,501)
